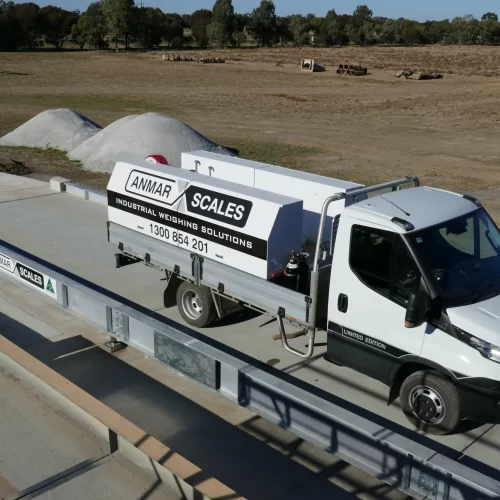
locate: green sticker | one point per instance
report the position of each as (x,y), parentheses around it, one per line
(49,287)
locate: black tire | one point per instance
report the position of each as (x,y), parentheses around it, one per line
(196,304)
(436,406)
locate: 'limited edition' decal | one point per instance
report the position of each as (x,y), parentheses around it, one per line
(341,331)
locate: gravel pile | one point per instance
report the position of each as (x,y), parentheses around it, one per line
(139,136)
(62,129)
(130,137)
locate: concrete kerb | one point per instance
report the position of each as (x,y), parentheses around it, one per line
(59,184)
(87,193)
(65,185)
(173,470)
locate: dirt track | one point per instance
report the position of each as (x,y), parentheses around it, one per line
(367,129)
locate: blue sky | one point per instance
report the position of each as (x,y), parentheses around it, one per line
(420,10)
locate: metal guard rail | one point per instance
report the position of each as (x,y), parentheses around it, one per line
(402,458)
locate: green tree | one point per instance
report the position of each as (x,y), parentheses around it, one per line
(221,28)
(283,34)
(199,22)
(330,29)
(149,26)
(410,33)
(173,30)
(240,38)
(391,31)
(78,35)
(119,18)
(361,15)
(313,27)
(369,33)
(298,28)
(436,31)
(241,21)
(464,30)
(11,34)
(28,18)
(361,26)
(264,22)
(91,28)
(489,32)
(489,16)
(98,25)
(55,24)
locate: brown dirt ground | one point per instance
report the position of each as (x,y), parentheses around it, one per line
(367,129)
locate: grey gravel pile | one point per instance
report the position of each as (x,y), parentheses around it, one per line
(139,136)
(62,129)
(129,138)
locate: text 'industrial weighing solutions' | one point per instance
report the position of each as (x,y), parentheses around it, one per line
(242,227)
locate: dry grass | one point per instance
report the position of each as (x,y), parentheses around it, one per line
(459,60)
(46,163)
(15,167)
(366,129)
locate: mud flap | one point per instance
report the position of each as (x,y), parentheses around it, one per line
(169,295)
(394,391)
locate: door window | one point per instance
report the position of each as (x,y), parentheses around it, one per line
(370,257)
(381,260)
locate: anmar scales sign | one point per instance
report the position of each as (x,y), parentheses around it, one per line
(27,275)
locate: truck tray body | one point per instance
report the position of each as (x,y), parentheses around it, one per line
(239,226)
(233,283)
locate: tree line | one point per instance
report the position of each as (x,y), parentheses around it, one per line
(105,22)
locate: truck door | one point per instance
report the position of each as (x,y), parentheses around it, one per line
(371,275)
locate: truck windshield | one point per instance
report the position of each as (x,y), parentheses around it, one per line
(463,256)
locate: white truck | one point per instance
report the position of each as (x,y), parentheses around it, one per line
(407,286)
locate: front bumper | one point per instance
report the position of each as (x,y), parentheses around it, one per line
(480,399)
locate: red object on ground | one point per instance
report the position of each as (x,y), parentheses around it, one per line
(157,159)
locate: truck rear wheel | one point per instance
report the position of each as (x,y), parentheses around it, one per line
(431,402)
(195,304)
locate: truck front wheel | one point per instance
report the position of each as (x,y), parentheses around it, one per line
(195,304)
(431,402)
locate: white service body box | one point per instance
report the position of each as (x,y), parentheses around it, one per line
(311,188)
(228,168)
(243,227)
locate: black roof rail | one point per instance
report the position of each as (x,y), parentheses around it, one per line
(407,226)
(473,200)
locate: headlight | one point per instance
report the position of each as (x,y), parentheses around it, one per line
(486,349)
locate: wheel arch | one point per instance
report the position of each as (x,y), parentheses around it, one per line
(409,365)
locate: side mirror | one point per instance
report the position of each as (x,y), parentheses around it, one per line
(417,308)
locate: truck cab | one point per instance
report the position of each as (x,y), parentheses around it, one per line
(414,301)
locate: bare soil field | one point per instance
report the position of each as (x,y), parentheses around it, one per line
(366,129)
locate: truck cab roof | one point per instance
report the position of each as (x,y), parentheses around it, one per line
(421,207)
